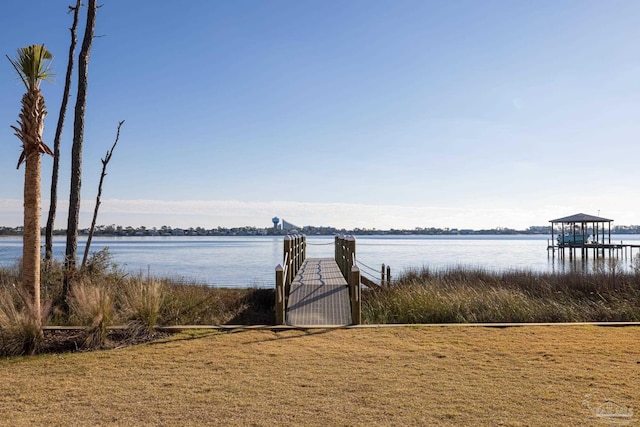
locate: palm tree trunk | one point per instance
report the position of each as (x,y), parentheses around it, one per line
(32,67)
(31,237)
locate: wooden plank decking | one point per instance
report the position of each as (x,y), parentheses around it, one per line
(319,295)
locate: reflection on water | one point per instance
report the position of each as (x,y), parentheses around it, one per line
(250,261)
(607,262)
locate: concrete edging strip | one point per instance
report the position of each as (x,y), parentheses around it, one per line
(180,328)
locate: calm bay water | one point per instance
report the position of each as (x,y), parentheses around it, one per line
(250,261)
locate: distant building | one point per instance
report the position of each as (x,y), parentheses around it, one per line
(287,226)
(275,221)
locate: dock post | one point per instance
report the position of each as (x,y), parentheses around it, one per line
(288,263)
(300,252)
(342,253)
(344,263)
(352,252)
(337,253)
(388,276)
(294,256)
(347,255)
(304,248)
(296,250)
(354,288)
(280,296)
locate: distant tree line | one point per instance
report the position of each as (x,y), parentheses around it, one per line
(118,230)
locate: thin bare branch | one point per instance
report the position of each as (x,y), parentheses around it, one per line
(105,162)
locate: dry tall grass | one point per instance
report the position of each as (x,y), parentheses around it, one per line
(140,304)
(104,295)
(20,329)
(473,295)
(93,306)
(186,304)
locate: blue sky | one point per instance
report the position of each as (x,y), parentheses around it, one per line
(386,114)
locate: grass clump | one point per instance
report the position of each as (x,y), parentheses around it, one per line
(462,295)
(20,329)
(140,304)
(93,306)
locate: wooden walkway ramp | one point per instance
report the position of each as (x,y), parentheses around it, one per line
(318,291)
(319,295)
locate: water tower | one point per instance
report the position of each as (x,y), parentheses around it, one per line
(275,221)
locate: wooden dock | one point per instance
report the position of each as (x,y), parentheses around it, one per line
(319,295)
(624,250)
(319,291)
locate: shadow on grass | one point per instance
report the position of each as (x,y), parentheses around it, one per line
(306,333)
(256,308)
(187,336)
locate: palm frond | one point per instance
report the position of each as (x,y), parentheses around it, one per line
(33,65)
(23,156)
(44,149)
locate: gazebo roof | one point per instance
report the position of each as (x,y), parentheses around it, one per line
(582,218)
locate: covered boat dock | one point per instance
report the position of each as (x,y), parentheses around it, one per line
(581,232)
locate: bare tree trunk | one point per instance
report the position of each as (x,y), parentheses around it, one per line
(31,236)
(76,150)
(53,205)
(105,162)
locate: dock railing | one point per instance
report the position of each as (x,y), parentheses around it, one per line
(294,254)
(345,254)
(345,257)
(295,249)
(355,294)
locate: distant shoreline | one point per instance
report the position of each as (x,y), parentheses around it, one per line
(167,231)
(373,234)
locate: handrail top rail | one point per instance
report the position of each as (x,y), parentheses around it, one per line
(349,237)
(293,236)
